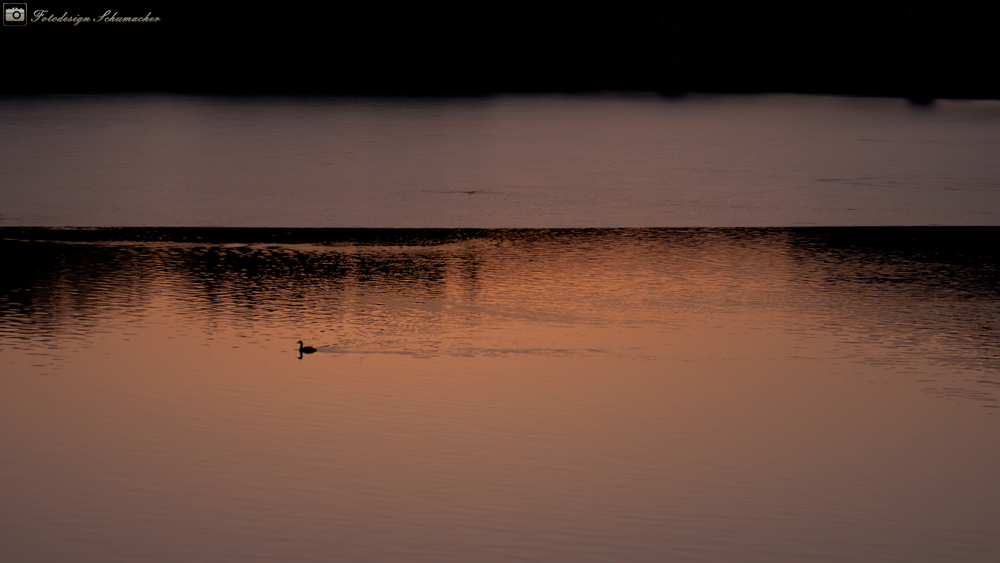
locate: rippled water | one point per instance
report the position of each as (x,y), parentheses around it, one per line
(549,395)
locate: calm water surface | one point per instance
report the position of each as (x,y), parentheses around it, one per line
(557,395)
(497,162)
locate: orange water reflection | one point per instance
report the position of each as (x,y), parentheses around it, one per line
(570,395)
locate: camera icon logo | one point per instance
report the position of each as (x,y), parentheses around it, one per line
(15,14)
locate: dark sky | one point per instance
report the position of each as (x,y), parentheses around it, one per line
(850,47)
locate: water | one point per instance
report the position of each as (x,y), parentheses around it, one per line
(497,162)
(615,393)
(497,395)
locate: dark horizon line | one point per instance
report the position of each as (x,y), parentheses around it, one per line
(277,235)
(462,93)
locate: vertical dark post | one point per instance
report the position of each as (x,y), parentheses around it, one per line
(918,55)
(671,76)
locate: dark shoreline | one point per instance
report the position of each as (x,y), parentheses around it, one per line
(431,236)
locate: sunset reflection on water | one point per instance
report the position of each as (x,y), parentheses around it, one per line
(584,395)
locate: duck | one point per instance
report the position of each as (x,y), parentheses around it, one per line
(305,349)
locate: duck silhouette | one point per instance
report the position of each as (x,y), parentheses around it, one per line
(305,349)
